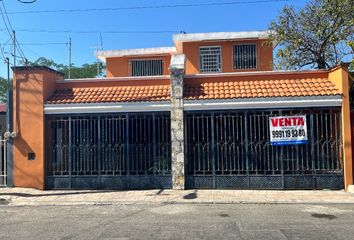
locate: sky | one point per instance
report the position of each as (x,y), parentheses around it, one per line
(46,34)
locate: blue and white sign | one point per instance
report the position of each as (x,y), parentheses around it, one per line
(287,130)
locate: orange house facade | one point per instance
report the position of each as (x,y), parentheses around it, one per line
(208,112)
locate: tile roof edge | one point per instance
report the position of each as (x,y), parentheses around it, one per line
(104,103)
(328,97)
(317,101)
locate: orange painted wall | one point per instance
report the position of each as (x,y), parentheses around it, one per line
(340,78)
(352,140)
(112,83)
(254,77)
(32,86)
(264,53)
(119,66)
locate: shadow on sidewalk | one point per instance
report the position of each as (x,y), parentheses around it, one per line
(191,196)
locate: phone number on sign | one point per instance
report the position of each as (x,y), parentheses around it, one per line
(289,133)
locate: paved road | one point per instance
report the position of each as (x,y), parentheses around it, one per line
(179,221)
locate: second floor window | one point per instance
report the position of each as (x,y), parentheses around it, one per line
(245,56)
(146,67)
(210,59)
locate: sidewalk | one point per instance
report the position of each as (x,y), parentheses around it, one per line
(29,197)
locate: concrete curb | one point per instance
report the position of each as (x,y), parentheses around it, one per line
(116,203)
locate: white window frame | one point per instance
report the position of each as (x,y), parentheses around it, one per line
(234,59)
(201,68)
(146,59)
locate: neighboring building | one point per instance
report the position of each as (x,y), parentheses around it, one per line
(196,115)
(3,109)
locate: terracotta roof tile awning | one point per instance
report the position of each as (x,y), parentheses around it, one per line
(260,89)
(227,89)
(111,94)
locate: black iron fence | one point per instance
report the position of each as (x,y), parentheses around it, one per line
(107,145)
(232,150)
(223,149)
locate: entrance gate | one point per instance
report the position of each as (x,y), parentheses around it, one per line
(112,151)
(3,163)
(232,150)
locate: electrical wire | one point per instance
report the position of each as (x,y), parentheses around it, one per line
(95,31)
(9,29)
(33,1)
(39,44)
(18,46)
(2,48)
(151,7)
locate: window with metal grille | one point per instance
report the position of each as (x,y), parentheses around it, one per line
(245,56)
(210,59)
(147,67)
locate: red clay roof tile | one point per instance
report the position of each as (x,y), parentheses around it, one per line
(111,94)
(261,88)
(232,89)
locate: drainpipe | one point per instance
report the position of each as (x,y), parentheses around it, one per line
(177,134)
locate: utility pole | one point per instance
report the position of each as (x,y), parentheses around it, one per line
(14,43)
(9,127)
(8,98)
(69,58)
(98,63)
(98,68)
(95,51)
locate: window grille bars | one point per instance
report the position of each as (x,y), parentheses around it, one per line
(146,67)
(210,59)
(245,56)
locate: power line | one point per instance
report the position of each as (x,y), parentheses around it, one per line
(33,1)
(8,19)
(10,30)
(95,31)
(151,7)
(2,48)
(39,44)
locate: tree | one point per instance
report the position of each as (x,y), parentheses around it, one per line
(351,45)
(85,71)
(3,89)
(315,36)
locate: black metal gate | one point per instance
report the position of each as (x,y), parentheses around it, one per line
(232,149)
(108,151)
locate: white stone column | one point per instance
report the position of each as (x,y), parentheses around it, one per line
(177,133)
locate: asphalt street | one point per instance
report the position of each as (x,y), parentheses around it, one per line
(179,221)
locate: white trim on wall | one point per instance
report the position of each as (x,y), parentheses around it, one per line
(255,103)
(263,103)
(106,107)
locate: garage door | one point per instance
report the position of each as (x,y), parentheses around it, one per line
(232,150)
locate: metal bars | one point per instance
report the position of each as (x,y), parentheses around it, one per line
(210,59)
(245,56)
(236,144)
(3,163)
(109,144)
(146,67)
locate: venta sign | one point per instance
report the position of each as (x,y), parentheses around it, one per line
(286,130)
